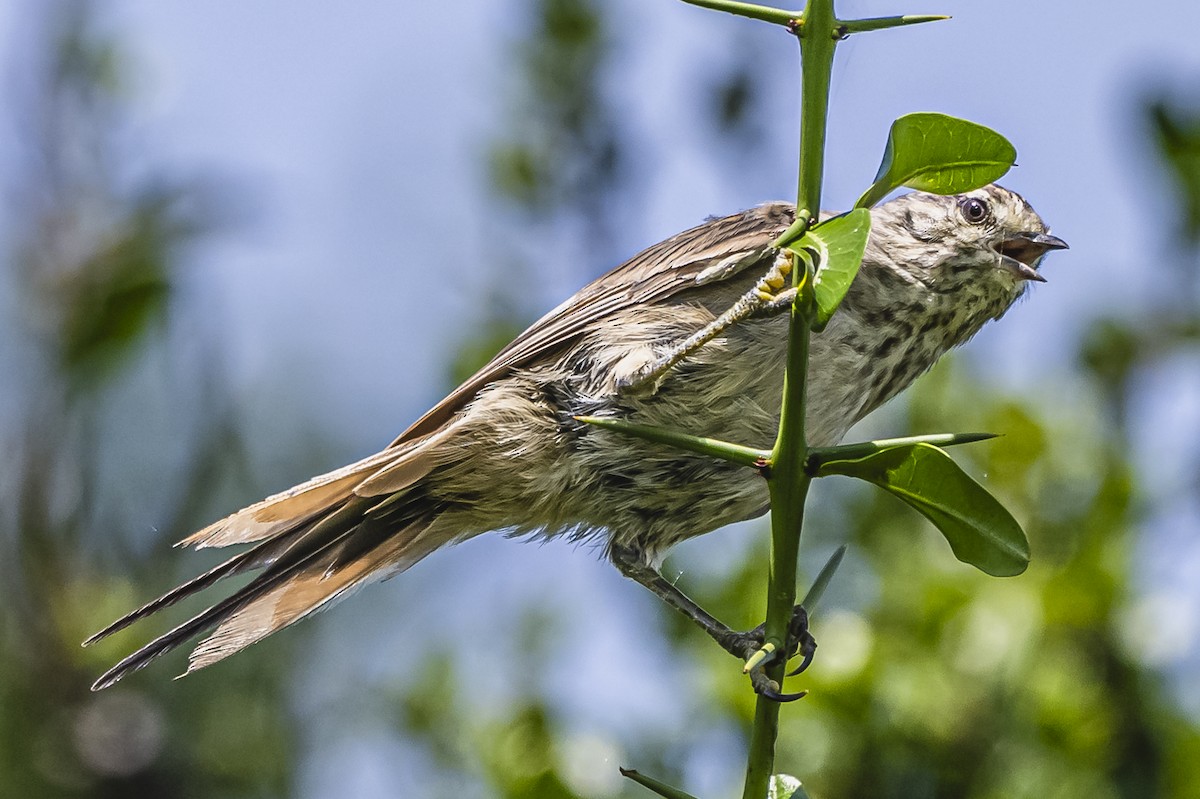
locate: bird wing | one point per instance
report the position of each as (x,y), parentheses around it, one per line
(713,251)
(720,247)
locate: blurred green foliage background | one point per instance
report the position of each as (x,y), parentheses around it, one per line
(931,680)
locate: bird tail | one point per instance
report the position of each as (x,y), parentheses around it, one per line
(313,545)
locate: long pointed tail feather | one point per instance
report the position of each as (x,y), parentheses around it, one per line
(284,565)
(253,558)
(309,590)
(307,571)
(278,512)
(313,543)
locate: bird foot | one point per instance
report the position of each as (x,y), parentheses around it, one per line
(750,647)
(646,381)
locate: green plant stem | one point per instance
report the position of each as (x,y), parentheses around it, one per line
(819,456)
(849,26)
(817,590)
(660,788)
(781,593)
(714,448)
(817,44)
(788,480)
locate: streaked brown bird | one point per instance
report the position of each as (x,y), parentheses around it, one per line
(505,451)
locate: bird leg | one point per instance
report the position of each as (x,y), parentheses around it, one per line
(630,563)
(743,645)
(767,298)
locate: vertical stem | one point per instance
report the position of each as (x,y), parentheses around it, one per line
(817,44)
(788,482)
(787,508)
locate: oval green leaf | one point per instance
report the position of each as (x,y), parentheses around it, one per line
(838,246)
(940,154)
(979,529)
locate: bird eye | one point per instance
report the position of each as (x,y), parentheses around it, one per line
(974,210)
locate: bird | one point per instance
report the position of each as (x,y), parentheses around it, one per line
(507,451)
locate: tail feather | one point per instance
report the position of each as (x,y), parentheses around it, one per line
(313,588)
(313,543)
(297,580)
(410,464)
(258,556)
(278,512)
(382,521)
(284,565)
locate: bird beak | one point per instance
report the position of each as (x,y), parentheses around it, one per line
(1020,253)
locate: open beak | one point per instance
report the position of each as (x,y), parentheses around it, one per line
(1019,253)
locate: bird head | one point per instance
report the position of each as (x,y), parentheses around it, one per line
(989,240)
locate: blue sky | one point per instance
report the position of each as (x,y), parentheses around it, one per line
(358,134)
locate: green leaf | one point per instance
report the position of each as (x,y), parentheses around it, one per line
(979,529)
(940,154)
(785,786)
(838,246)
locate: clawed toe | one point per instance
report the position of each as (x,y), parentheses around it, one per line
(749,645)
(808,658)
(765,686)
(801,640)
